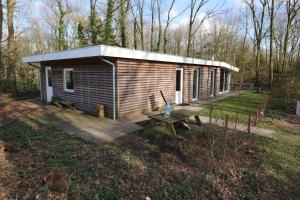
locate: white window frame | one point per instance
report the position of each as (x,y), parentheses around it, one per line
(65,80)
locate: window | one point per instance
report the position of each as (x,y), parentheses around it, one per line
(222,80)
(178,80)
(49,77)
(69,80)
(226,81)
(195,83)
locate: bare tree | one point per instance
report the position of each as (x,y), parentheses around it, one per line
(1,57)
(292,10)
(159,26)
(196,6)
(140,8)
(244,45)
(258,10)
(167,26)
(135,29)
(152,25)
(271,68)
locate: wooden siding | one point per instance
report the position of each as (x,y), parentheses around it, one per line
(43,84)
(204,82)
(92,84)
(139,84)
(188,84)
(217,85)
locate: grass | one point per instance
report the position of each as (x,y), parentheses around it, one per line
(153,163)
(284,151)
(238,108)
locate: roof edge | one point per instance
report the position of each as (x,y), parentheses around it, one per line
(119,52)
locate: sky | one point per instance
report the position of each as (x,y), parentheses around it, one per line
(38,6)
(38,10)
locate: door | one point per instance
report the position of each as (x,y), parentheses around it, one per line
(212,83)
(179,85)
(49,88)
(195,84)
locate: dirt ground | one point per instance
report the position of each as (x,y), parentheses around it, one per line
(146,163)
(13,109)
(39,161)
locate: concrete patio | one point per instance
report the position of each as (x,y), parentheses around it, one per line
(98,131)
(85,126)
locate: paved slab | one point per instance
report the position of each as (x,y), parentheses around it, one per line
(240,127)
(217,98)
(85,126)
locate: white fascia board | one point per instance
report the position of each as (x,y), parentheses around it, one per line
(118,52)
(67,54)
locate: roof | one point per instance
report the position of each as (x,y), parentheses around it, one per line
(118,52)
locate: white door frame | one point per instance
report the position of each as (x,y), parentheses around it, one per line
(197,82)
(179,94)
(49,89)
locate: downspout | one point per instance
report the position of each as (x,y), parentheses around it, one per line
(114,84)
(32,65)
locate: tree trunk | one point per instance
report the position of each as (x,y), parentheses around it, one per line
(152,26)
(93,22)
(141,13)
(1,57)
(11,62)
(165,40)
(257,63)
(159,27)
(122,21)
(109,35)
(135,33)
(61,28)
(271,68)
(189,43)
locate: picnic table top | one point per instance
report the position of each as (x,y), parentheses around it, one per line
(176,115)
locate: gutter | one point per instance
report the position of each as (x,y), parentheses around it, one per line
(114,84)
(32,65)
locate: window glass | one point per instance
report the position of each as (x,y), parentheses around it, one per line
(195,83)
(178,80)
(222,80)
(226,80)
(49,77)
(69,79)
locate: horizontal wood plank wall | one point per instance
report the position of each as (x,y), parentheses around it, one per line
(188,84)
(139,84)
(217,85)
(43,84)
(204,82)
(92,85)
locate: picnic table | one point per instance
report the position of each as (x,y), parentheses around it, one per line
(176,116)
